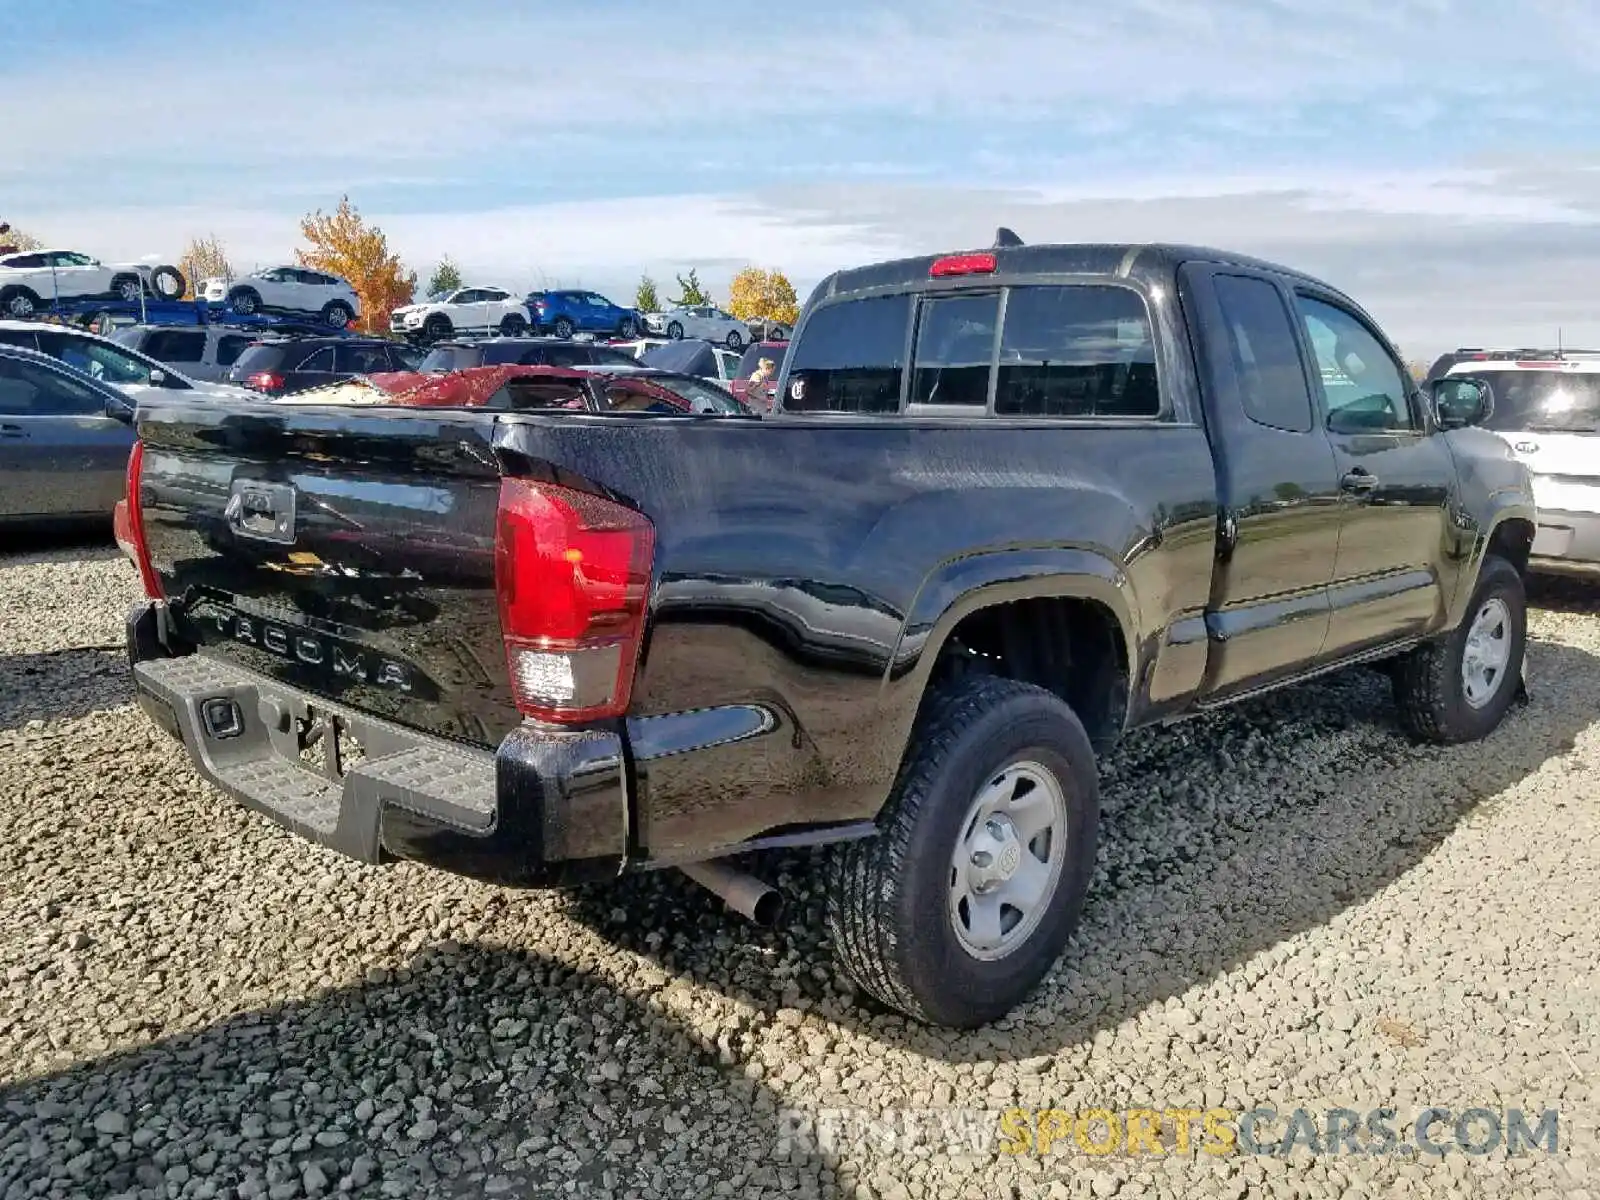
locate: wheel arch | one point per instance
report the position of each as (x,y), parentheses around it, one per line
(1059,617)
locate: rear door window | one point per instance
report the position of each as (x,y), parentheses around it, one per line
(322,360)
(177,345)
(360,360)
(1076,351)
(230,348)
(851,358)
(30,390)
(1266,359)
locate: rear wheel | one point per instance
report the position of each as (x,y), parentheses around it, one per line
(338,314)
(18,302)
(437,327)
(1458,689)
(964,901)
(513,326)
(675,330)
(628,330)
(127,288)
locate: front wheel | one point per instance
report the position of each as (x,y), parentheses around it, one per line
(338,314)
(563,327)
(628,330)
(1458,689)
(965,899)
(18,302)
(437,327)
(675,331)
(244,301)
(513,326)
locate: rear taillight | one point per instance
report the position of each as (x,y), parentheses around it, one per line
(572,572)
(962,264)
(265,381)
(128,521)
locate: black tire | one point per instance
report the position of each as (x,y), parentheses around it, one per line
(776,334)
(244,301)
(888,896)
(437,327)
(513,326)
(563,327)
(338,314)
(675,331)
(628,330)
(167,282)
(19,302)
(1429,687)
(735,340)
(127,288)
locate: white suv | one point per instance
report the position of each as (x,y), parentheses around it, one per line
(287,290)
(1548,410)
(465,310)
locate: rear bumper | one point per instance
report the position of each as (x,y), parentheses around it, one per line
(1566,543)
(546,808)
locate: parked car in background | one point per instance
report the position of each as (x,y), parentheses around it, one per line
(763,330)
(567,311)
(465,310)
(64,441)
(1547,409)
(287,290)
(693,356)
(204,352)
(759,393)
(129,371)
(282,366)
(30,282)
(700,321)
(463,354)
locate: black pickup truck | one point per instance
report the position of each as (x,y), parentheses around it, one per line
(1012,503)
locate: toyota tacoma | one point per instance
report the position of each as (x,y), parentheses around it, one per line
(1010,503)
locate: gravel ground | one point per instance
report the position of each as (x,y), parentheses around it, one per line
(1294,907)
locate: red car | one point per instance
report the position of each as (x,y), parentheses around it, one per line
(759,395)
(580,389)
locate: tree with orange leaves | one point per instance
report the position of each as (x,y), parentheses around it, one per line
(343,244)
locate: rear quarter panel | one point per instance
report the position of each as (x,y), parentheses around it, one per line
(807,571)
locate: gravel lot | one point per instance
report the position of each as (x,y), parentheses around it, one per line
(1294,907)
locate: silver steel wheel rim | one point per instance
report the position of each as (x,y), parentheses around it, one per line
(244,304)
(1487,653)
(128,290)
(20,306)
(1008,860)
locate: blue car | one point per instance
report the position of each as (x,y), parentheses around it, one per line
(567,312)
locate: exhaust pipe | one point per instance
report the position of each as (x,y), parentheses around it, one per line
(743,893)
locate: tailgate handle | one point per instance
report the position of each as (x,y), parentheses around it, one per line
(262,510)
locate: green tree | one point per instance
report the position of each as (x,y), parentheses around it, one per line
(446,277)
(645,298)
(692,292)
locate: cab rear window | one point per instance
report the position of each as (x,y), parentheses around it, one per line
(1077,350)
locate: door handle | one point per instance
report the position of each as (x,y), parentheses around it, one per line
(12,431)
(1359,479)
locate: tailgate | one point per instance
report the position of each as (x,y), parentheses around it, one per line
(347,555)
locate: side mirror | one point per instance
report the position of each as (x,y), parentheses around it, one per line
(120,410)
(158,377)
(1459,401)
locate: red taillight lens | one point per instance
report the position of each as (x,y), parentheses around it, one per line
(128,521)
(265,381)
(572,572)
(962,264)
